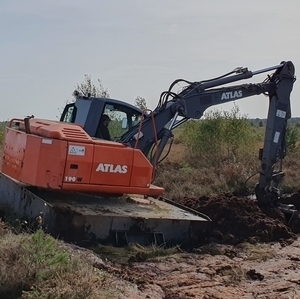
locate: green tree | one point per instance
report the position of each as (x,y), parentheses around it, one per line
(140,103)
(88,88)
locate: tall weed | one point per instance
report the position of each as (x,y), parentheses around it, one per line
(292,138)
(220,136)
(222,155)
(37,266)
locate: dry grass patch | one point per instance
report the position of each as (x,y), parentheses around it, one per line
(258,251)
(36,266)
(4,229)
(291,167)
(187,180)
(232,274)
(152,253)
(135,253)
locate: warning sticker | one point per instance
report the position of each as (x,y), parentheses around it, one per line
(76,150)
(280,113)
(47,141)
(276,137)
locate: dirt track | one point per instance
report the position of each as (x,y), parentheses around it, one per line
(226,267)
(225,272)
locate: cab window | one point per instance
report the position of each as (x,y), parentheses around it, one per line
(69,113)
(122,118)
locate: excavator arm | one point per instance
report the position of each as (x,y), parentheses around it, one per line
(275,136)
(156,128)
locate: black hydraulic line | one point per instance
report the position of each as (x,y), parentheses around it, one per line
(167,153)
(268,69)
(167,134)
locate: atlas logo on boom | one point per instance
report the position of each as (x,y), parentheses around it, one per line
(105,167)
(231,95)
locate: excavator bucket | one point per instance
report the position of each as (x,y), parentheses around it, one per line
(290,206)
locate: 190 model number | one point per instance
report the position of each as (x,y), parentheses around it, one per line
(70,179)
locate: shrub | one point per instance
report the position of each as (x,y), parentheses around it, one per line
(292,137)
(225,143)
(220,136)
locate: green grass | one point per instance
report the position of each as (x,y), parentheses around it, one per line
(135,253)
(36,266)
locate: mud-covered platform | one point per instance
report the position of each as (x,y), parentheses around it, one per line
(78,217)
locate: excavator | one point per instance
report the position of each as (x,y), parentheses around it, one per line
(65,175)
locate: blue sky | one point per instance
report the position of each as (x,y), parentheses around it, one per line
(138,48)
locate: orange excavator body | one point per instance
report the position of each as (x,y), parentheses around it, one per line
(62,156)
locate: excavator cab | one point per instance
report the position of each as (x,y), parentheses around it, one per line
(88,111)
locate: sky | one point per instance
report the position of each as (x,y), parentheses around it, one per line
(138,48)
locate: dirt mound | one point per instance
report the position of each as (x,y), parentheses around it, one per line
(239,219)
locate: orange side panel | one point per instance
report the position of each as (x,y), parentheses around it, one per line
(112,165)
(142,170)
(79,163)
(34,160)
(44,162)
(13,153)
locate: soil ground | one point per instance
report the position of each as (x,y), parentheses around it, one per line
(239,219)
(216,272)
(250,253)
